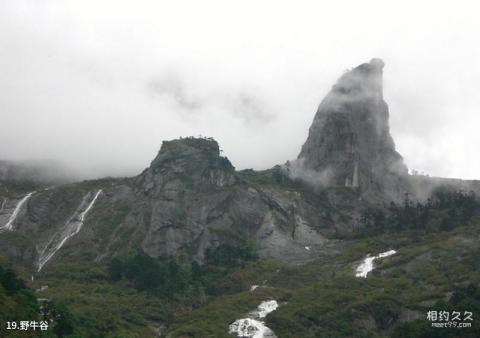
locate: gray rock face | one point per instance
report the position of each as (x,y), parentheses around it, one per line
(188,200)
(197,201)
(189,162)
(349,142)
(191,198)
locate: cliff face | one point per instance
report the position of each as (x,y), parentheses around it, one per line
(335,213)
(197,200)
(188,200)
(191,198)
(349,142)
(189,163)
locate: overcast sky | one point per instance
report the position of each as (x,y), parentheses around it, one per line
(99,84)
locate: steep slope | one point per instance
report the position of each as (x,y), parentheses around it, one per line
(190,199)
(191,244)
(198,200)
(349,142)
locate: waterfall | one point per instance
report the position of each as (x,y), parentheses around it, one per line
(367,264)
(72,227)
(254,326)
(13,216)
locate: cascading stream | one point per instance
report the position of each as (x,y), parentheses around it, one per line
(254,327)
(367,264)
(13,216)
(72,227)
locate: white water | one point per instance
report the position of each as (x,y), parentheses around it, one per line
(13,216)
(72,227)
(266,307)
(250,328)
(254,328)
(367,265)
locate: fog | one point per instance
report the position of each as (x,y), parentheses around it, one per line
(98,85)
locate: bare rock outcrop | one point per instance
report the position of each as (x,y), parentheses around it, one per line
(349,142)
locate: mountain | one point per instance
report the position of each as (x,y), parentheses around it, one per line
(188,200)
(349,142)
(193,245)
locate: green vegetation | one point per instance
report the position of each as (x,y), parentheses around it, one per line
(463,300)
(19,303)
(323,299)
(134,295)
(445,211)
(167,277)
(93,306)
(14,188)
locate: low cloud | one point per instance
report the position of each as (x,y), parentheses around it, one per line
(171,87)
(100,89)
(251,110)
(296,170)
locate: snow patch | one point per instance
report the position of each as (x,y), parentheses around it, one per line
(252,327)
(72,227)
(13,216)
(367,264)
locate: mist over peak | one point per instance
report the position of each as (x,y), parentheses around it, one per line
(99,90)
(349,142)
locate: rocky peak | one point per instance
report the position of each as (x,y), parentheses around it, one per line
(189,161)
(349,142)
(185,153)
(362,82)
